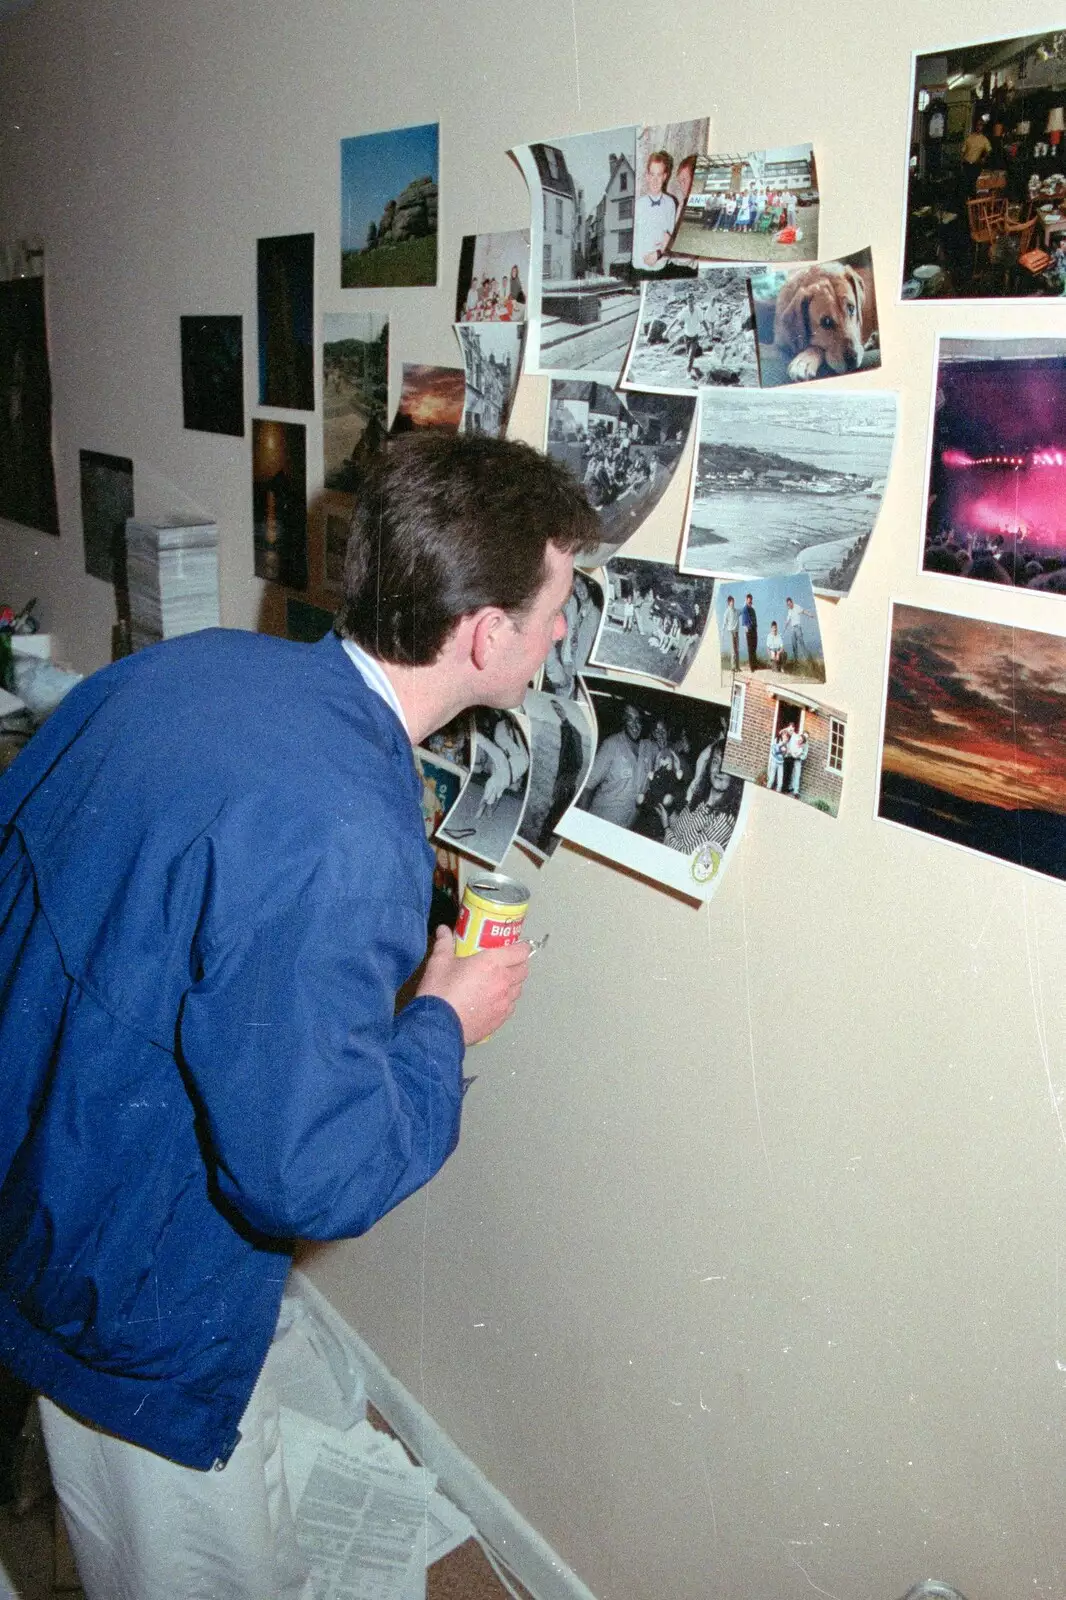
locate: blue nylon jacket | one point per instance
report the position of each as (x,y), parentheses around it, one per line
(214,879)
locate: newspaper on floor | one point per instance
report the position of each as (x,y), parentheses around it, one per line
(368,1520)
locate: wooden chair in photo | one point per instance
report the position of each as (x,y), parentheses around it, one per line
(987,219)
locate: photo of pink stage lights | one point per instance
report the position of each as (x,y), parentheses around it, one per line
(996,490)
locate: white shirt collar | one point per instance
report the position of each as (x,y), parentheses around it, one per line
(375,677)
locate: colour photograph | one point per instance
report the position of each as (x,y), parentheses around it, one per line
(355,395)
(666,160)
(818,321)
(695,332)
(488,812)
(493,277)
(212,374)
(654,619)
(995,508)
(757,205)
(986,191)
(279,501)
(788,480)
(583,295)
(27,473)
(286,302)
(781,740)
(622,446)
(106,502)
(492,365)
(389,208)
(441,783)
(657,799)
(562,738)
(769,627)
(431,397)
(972,748)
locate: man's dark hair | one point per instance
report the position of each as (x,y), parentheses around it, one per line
(445,524)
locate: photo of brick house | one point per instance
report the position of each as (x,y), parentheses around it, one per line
(782,740)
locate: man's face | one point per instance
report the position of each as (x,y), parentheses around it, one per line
(631,722)
(656,177)
(529,635)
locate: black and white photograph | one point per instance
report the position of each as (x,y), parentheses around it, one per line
(488,813)
(568,656)
(623,447)
(818,321)
(27,471)
(583,294)
(754,205)
(492,364)
(788,480)
(452,742)
(212,374)
(562,740)
(653,621)
(493,277)
(106,502)
(667,154)
(695,332)
(657,799)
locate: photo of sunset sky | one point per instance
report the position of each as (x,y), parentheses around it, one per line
(974,744)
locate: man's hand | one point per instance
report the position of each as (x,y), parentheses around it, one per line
(481,989)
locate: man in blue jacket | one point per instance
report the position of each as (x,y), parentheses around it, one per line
(213,883)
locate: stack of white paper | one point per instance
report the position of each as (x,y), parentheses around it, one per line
(172,576)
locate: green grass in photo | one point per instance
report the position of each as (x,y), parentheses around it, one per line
(405,265)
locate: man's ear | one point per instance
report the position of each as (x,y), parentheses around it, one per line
(486,627)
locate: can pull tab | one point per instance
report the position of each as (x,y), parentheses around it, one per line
(538,944)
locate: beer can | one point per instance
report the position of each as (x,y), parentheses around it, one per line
(492,913)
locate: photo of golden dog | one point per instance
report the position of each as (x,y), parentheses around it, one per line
(825,317)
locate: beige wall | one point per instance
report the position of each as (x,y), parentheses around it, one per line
(745,1280)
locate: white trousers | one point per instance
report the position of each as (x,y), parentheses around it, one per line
(144,1528)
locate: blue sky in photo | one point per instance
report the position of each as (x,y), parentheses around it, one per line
(376,168)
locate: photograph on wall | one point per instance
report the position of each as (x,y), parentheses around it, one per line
(695,332)
(355,395)
(493,281)
(770,626)
(279,501)
(27,471)
(106,502)
(622,447)
(995,509)
(781,740)
(971,746)
(488,812)
(657,799)
(654,619)
(452,742)
(583,295)
(818,321)
(562,740)
(985,214)
(389,184)
(430,397)
(755,205)
(441,783)
(336,522)
(285,281)
(568,656)
(788,480)
(492,365)
(666,161)
(306,623)
(212,374)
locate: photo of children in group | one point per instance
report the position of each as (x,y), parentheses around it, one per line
(493,277)
(666,160)
(770,625)
(488,811)
(785,742)
(657,798)
(693,332)
(761,205)
(623,448)
(653,621)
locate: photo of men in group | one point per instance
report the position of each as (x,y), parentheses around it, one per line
(653,621)
(757,205)
(657,798)
(770,625)
(623,447)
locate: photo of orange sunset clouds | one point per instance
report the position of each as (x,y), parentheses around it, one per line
(974,742)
